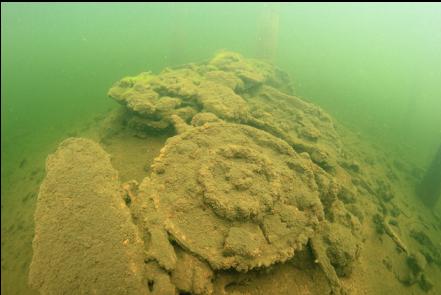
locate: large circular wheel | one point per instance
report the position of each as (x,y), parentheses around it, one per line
(235,196)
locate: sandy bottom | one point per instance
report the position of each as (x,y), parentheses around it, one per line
(375,272)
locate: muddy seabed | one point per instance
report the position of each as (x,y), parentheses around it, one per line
(213,178)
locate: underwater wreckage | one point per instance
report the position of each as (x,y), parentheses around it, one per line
(251,177)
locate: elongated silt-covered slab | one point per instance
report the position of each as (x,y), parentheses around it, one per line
(85,241)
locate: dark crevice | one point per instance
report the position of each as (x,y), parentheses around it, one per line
(151,285)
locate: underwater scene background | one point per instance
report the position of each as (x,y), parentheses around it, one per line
(374,68)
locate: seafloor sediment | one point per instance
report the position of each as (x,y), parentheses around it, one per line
(255,191)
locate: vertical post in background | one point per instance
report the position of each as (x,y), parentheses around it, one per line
(267,36)
(429,190)
(178,49)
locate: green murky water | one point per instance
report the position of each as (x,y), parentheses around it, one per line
(376,68)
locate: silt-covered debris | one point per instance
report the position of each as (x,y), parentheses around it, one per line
(252,178)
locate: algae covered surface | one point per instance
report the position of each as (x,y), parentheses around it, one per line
(251,183)
(213,175)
